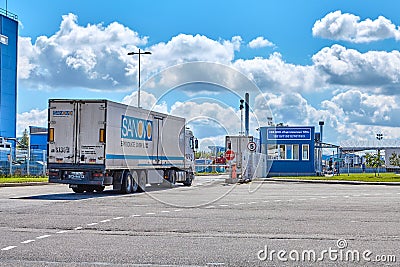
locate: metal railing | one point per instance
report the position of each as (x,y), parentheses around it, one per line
(8,14)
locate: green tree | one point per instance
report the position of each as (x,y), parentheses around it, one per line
(374,161)
(24,142)
(394,159)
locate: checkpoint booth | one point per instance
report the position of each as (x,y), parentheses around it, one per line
(289,150)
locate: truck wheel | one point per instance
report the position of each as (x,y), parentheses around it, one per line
(189,179)
(126,186)
(172,177)
(135,182)
(100,188)
(78,189)
(89,189)
(142,181)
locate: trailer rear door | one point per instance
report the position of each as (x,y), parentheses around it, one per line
(91,133)
(62,122)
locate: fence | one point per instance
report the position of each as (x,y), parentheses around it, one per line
(20,165)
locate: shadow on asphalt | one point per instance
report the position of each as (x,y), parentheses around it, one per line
(81,196)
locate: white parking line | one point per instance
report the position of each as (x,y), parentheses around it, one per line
(223,205)
(8,248)
(118,218)
(27,241)
(150,213)
(177,210)
(62,232)
(91,224)
(165,211)
(135,215)
(106,220)
(78,228)
(43,236)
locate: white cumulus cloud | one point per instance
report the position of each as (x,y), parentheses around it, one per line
(350,67)
(34,117)
(348,27)
(91,56)
(260,42)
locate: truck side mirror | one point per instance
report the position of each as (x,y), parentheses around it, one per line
(196,143)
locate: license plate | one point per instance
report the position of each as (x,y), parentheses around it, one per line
(76,175)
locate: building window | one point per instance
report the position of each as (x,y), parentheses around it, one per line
(296,152)
(306,154)
(289,152)
(272,151)
(283,152)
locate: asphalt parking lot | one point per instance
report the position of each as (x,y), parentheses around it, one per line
(208,224)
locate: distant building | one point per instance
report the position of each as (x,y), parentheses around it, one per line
(38,143)
(8,73)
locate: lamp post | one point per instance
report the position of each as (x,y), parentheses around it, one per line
(139,53)
(379,136)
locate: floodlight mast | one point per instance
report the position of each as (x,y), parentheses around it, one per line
(139,53)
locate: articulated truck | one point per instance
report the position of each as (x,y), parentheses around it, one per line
(97,143)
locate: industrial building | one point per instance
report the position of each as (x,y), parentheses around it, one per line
(8,73)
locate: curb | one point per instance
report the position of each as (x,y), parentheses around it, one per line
(327,182)
(23,184)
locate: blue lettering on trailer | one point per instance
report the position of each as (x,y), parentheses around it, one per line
(62,113)
(137,129)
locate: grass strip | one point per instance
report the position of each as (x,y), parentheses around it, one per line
(359,177)
(23,179)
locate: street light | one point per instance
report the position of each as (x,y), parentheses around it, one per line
(139,53)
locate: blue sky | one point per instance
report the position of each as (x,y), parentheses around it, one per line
(308,60)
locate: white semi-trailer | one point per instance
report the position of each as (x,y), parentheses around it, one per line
(96,143)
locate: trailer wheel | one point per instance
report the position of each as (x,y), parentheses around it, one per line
(78,189)
(135,182)
(142,181)
(126,186)
(89,189)
(100,188)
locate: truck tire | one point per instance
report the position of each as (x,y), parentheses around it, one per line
(172,177)
(100,188)
(126,186)
(135,182)
(142,181)
(89,189)
(189,179)
(78,189)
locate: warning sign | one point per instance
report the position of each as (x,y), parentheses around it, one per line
(252,146)
(229,154)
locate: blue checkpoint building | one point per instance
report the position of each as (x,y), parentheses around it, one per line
(290,151)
